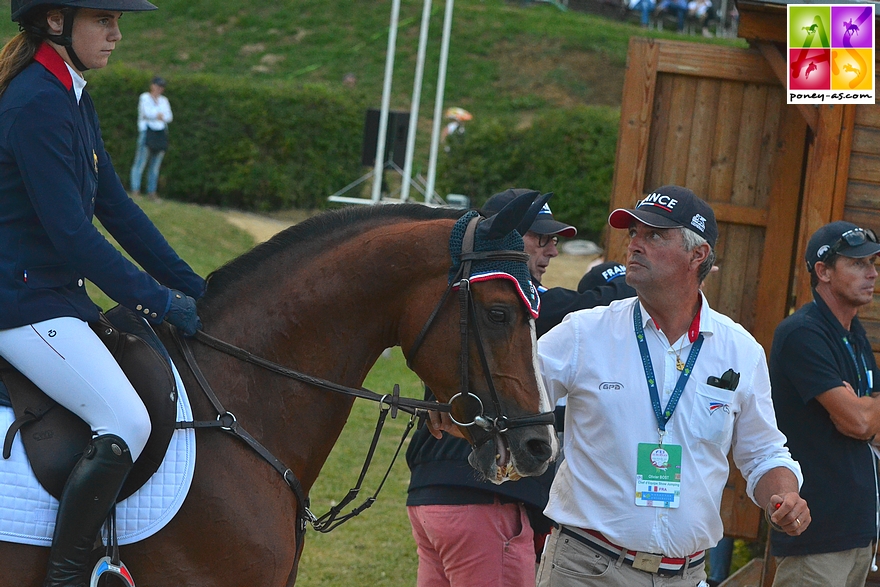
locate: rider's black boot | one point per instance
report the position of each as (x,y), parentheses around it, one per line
(88,495)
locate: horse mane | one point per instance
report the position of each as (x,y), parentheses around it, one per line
(333,225)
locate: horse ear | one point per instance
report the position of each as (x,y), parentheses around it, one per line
(509,218)
(532,213)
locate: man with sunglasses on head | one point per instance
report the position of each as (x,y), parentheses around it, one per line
(822,371)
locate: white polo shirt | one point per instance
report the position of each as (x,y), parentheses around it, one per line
(593,358)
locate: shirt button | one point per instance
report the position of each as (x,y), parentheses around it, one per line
(139,307)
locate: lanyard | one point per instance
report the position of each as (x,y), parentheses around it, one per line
(663,415)
(852,354)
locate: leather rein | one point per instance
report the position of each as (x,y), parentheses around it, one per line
(392,403)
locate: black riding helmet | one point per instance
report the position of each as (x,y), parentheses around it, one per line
(23,12)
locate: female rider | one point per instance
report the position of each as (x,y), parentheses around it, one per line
(55,175)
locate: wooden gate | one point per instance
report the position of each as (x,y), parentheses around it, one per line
(713,119)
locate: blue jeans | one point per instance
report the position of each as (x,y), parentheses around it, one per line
(645,7)
(719,559)
(141,156)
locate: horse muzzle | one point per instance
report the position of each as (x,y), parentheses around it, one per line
(513,454)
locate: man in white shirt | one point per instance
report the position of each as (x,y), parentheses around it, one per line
(659,387)
(154,114)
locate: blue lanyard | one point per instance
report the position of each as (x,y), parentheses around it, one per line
(852,354)
(663,415)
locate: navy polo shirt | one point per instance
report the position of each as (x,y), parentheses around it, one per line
(808,357)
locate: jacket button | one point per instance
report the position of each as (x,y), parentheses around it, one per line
(80,283)
(153,315)
(146,310)
(139,307)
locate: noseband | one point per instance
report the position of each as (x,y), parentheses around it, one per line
(501,423)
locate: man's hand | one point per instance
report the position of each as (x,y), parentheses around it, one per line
(440,422)
(788,513)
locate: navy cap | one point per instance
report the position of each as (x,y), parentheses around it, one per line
(544,222)
(671,206)
(159,81)
(831,235)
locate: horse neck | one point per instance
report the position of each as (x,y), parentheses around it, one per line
(329,315)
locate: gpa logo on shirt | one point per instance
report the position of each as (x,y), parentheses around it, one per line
(610,386)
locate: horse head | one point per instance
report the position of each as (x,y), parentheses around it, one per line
(496,396)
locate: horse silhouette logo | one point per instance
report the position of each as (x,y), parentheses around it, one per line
(810,68)
(850,28)
(851,69)
(812,29)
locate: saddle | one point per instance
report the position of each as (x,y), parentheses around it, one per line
(54,438)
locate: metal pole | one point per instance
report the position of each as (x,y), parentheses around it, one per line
(379,168)
(438,102)
(416,101)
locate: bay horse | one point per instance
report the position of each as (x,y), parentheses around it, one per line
(324,297)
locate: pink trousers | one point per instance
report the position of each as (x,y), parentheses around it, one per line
(489,545)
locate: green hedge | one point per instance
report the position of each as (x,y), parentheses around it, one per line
(268,147)
(569,152)
(237,144)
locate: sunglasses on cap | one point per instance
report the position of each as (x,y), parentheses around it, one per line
(851,238)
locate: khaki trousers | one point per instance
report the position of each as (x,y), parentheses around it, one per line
(567,562)
(848,568)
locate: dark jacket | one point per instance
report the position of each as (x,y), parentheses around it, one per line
(55,175)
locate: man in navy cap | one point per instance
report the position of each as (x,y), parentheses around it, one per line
(660,388)
(822,369)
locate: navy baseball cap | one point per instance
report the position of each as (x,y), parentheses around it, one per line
(670,206)
(159,81)
(544,222)
(841,238)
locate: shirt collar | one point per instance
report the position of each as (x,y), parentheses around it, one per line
(855,327)
(706,323)
(79,82)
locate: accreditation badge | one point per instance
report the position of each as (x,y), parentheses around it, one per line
(658,475)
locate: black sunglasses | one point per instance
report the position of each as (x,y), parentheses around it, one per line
(851,238)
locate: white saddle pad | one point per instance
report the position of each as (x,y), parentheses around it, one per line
(27,511)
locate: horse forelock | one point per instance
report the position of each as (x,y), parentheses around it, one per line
(299,241)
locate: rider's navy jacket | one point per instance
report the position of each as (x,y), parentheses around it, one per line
(55,175)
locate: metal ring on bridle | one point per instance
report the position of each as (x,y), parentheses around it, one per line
(478,416)
(234,420)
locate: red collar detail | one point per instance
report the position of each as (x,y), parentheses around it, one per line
(51,60)
(694,330)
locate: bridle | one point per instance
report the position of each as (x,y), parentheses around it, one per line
(501,423)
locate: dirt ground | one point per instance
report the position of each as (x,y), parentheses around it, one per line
(564,271)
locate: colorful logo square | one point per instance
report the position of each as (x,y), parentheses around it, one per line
(831,54)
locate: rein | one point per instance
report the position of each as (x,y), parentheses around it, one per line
(227,421)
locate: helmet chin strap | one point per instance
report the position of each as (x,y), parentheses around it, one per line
(65,39)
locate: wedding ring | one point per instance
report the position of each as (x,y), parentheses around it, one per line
(798,520)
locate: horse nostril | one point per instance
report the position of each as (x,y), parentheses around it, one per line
(539,449)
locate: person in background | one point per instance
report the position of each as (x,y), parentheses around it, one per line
(56,176)
(469,531)
(154,113)
(660,387)
(823,373)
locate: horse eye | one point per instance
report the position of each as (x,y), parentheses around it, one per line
(498,316)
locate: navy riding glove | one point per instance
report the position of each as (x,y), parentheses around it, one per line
(182,313)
